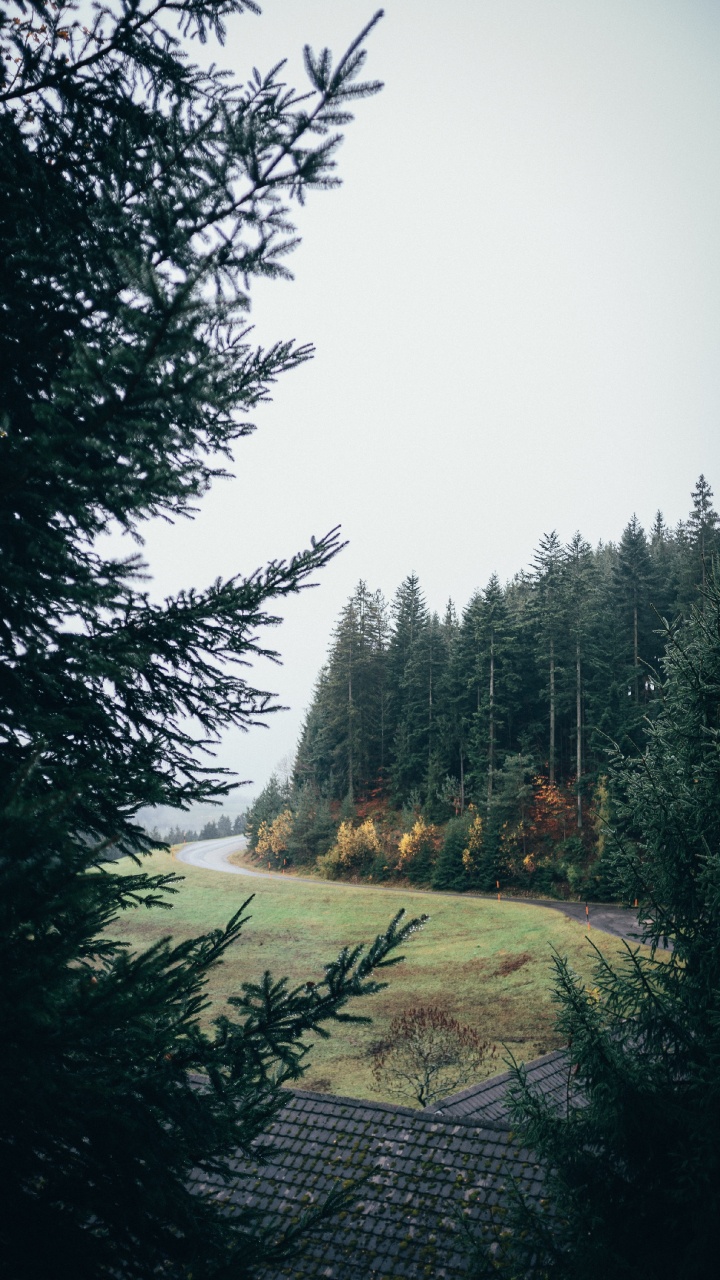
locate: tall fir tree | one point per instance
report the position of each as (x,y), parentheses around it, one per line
(410,665)
(141,197)
(548,563)
(579,595)
(636,620)
(703,528)
(452,718)
(343,742)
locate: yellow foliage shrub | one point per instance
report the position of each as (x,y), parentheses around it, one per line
(416,847)
(353,852)
(272,841)
(473,848)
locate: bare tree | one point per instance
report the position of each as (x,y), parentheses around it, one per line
(427,1055)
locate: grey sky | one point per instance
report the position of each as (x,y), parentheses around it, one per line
(515,299)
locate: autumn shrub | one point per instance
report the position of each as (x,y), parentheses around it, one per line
(354,851)
(427,1055)
(417,852)
(272,840)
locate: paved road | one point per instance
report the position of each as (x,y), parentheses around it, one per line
(213,855)
(605,916)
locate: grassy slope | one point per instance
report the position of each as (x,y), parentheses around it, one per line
(455,962)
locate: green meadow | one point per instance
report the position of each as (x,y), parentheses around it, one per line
(486,962)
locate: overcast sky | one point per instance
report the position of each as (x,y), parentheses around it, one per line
(515,300)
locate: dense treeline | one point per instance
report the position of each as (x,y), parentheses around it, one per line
(502,717)
(216,829)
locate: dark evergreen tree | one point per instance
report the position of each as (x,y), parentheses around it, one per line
(409,616)
(665,569)
(141,195)
(412,653)
(274,797)
(422,866)
(355,691)
(703,529)
(548,565)
(636,620)
(343,743)
(450,870)
(505,842)
(315,754)
(453,711)
(579,591)
(313,828)
(491,678)
(469,699)
(632,1175)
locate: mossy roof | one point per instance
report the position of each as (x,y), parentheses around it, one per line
(550,1075)
(420,1178)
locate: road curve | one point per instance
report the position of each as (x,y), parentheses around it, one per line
(212,855)
(621,922)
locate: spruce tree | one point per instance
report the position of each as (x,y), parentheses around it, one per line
(579,594)
(410,663)
(492,677)
(548,564)
(704,529)
(450,870)
(452,718)
(636,620)
(141,195)
(313,828)
(632,1168)
(343,743)
(274,797)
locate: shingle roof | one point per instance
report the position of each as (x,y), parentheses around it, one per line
(549,1075)
(422,1172)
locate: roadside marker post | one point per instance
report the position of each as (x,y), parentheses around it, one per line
(587,916)
(497,886)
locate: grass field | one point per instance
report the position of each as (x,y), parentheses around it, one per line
(486,962)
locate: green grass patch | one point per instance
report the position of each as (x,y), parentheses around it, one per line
(486,962)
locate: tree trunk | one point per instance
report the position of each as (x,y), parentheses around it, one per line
(636,663)
(552,712)
(491,726)
(578,726)
(351,780)
(430,716)
(462,781)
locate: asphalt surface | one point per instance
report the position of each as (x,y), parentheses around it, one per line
(622,922)
(213,855)
(605,916)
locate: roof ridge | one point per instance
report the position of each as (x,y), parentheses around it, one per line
(412,1113)
(492,1082)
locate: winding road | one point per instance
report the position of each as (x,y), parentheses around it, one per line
(213,855)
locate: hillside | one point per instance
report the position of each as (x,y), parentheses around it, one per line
(462,751)
(487,963)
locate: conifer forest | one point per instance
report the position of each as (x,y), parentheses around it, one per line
(475,749)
